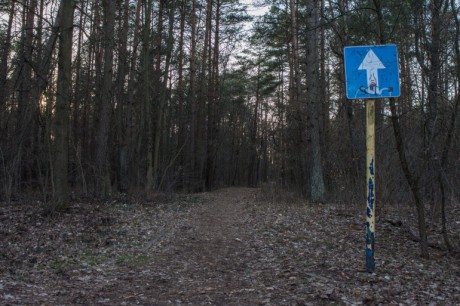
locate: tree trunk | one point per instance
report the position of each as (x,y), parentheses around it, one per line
(26,109)
(213,99)
(103,179)
(182,141)
(317,187)
(147,96)
(97,48)
(252,169)
(347,104)
(131,133)
(5,180)
(295,114)
(78,97)
(434,71)
(122,169)
(192,97)
(324,92)
(163,92)
(62,115)
(4,65)
(157,95)
(205,75)
(282,127)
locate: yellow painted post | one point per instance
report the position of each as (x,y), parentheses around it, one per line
(370,176)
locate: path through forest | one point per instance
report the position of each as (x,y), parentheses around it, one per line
(234,246)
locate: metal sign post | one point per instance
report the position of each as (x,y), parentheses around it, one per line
(370,178)
(371,72)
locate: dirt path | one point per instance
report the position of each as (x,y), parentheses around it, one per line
(207,255)
(204,260)
(235,246)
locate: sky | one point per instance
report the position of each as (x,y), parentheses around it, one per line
(254,11)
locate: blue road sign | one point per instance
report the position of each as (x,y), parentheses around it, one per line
(372,72)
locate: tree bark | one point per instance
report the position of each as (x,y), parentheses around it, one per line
(4,65)
(157,96)
(192,97)
(131,134)
(77,99)
(213,99)
(122,169)
(296,112)
(202,98)
(181,119)
(317,186)
(163,92)
(147,95)
(252,169)
(103,179)
(26,109)
(62,116)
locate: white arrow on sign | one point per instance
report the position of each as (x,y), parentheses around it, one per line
(371,63)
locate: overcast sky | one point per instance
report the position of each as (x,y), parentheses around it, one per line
(254,11)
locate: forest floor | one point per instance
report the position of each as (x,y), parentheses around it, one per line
(234,246)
